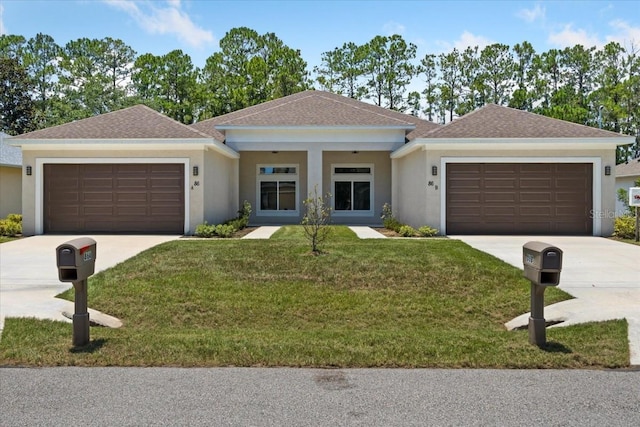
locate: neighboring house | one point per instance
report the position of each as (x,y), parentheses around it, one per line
(10,177)
(493,171)
(626,176)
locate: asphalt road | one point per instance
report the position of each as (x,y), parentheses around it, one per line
(316,397)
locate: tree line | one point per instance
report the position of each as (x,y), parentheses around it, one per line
(45,84)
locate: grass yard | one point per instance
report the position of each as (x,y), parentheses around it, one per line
(363,303)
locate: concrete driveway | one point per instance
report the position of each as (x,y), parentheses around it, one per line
(29,276)
(603,275)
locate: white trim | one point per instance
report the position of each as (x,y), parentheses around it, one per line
(39,179)
(370,177)
(277,177)
(498,144)
(596,180)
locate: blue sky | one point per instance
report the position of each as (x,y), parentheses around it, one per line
(196,26)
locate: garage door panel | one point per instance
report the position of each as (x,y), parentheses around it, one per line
(535,183)
(504,197)
(528,211)
(528,197)
(466,183)
(114,198)
(166,183)
(98,182)
(97,211)
(500,183)
(498,168)
(66,211)
(536,169)
(519,198)
(132,197)
(64,196)
(492,211)
(129,182)
(572,197)
(97,196)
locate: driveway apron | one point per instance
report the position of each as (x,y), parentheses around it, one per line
(29,276)
(603,275)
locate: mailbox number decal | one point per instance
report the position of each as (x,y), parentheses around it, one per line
(529,258)
(87,255)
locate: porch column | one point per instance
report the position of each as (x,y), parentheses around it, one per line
(314,171)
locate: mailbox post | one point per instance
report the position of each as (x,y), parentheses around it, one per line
(76,260)
(542,266)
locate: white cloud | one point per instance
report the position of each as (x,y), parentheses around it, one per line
(392,28)
(466,40)
(470,40)
(530,15)
(569,36)
(624,34)
(166,19)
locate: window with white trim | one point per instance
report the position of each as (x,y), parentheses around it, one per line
(277,190)
(352,186)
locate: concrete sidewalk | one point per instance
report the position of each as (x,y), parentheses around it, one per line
(265,232)
(29,276)
(603,275)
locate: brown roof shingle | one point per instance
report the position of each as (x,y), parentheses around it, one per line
(495,121)
(137,122)
(315,108)
(630,168)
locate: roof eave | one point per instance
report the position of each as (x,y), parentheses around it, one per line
(408,127)
(111,141)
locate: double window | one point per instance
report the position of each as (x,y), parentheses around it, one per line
(352,189)
(277,190)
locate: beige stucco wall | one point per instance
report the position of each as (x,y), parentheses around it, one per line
(10,190)
(413,200)
(248,184)
(218,189)
(419,204)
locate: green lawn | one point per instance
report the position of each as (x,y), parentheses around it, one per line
(363,303)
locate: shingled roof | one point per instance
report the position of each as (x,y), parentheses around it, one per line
(137,122)
(9,155)
(630,168)
(311,109)
(495,121)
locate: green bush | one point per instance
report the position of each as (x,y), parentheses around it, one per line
(624,227)
(388,220)
(17,218)
(11,226)
(224,230)
(205,230)
(227,228)
(426,231)
(407,231)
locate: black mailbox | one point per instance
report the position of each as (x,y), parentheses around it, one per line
(542,263)
(76,259)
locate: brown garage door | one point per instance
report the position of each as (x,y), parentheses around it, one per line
(519,198)
(113,198)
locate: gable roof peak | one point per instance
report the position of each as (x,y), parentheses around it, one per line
(314,108)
